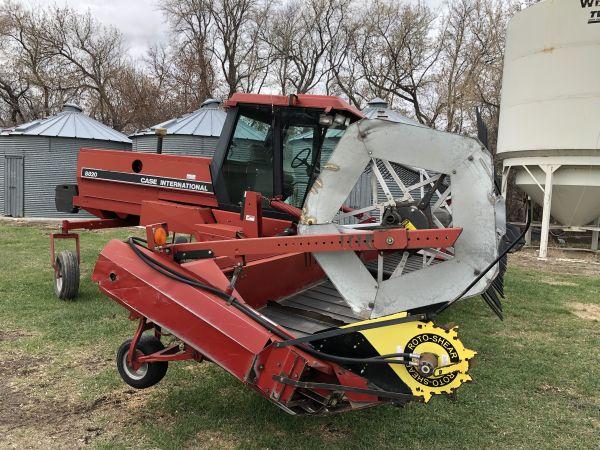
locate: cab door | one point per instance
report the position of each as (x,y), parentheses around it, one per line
(271,150)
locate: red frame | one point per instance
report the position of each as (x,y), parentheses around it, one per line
(135,358)
(93,224)
(390,239)
(54,236)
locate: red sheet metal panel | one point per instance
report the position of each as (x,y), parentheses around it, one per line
(180,218)
(120,181)
(277,277)
(207,323)
(270,227)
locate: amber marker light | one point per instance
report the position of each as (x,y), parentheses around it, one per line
(160,236)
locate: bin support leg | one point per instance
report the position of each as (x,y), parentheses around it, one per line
(595,236)
(549,169)
(528,238)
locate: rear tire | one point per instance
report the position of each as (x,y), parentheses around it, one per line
(148,374)
(66,275)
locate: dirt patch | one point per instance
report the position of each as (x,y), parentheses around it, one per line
(41,409)
(12,335)
(330,432)
(559,261)
(211,439)
(585,311)
(571,399)
(550,389)
(16,405)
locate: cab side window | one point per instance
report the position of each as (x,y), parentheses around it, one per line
(249,162)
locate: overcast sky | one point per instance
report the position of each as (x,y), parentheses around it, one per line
(139,21)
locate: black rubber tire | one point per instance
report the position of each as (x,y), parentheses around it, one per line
(149,374)
(66,275)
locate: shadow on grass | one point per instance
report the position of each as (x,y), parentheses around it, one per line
(216,407)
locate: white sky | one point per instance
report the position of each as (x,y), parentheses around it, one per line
(139,21)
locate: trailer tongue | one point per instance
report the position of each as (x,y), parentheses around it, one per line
(318,306)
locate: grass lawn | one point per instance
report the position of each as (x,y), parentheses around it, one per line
(536,378)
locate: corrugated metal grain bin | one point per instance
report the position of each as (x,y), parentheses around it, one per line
(195,134)
(362,194)
(37,156)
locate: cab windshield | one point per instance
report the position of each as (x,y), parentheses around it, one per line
(277,152)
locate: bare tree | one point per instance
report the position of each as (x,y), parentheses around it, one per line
(397,55)
(32,82)
(237,25)
(140,101)
(223,36)
(181,77)
(94,52)
(345,77)
(471,64)
(12,92)
(306,38)
(186,65)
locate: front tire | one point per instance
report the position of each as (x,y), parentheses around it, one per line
(66,275)
(148,374)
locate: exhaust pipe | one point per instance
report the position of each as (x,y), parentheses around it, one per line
(160,134)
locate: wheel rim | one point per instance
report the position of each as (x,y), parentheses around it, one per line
(134,374)
(58,279)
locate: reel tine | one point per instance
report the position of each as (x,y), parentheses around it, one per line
(498,286)
(494,297)
(492,305)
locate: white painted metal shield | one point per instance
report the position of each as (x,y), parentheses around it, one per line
(471,205)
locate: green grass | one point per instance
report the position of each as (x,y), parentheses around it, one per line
(536,374)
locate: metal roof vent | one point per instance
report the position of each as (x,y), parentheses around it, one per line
(72,107)
(378,108)
(210,103)
(378,103)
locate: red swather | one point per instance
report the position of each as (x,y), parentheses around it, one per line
(244,255)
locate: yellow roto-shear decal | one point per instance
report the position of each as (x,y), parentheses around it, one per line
(422,338)
(407,224)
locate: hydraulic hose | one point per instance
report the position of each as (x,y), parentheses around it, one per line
(134,243)
(491,266)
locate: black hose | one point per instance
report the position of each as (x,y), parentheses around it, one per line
(488,268)
(170,273)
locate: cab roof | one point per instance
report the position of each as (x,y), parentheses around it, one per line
(327,103)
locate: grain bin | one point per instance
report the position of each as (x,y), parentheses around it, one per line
(549,133)
(362,194)
(39,155)
(194,134)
